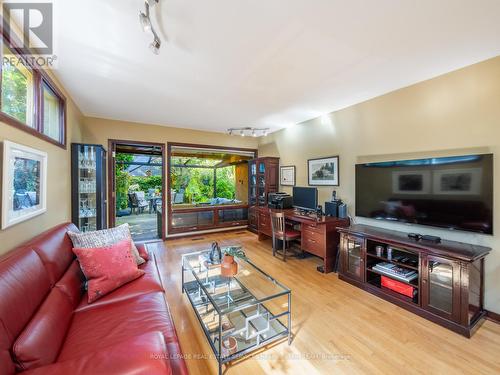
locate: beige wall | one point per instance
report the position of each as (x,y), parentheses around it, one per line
(58,179)
(100,131)
(453,114)
(241,176)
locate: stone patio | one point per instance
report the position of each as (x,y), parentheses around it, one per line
(143,226)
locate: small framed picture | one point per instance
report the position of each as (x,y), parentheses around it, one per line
(287,175)
(24,183)
(323,171)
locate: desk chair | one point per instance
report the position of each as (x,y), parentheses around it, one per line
(280,232)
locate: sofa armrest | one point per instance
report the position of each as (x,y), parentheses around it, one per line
(144,354)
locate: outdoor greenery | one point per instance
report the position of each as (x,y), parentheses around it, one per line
(126,182)
(122,180)
(146,183)
(197,184)
(14,92)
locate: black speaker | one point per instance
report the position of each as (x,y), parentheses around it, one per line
(331,208)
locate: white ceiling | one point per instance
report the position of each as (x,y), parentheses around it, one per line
(269,63)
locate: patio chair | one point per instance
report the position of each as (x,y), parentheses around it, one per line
(179,197)
(142,202)
(136,204)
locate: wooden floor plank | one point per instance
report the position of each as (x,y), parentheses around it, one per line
(337,327)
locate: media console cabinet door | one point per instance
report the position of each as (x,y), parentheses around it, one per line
(441,287)
(353,257)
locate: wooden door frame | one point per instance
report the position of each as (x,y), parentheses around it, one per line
(111,180)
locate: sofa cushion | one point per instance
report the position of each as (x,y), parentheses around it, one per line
(112,323)
(105,237)
(141,354)
(40,341)
(54,249)
(72,283)
(149,283)
(23,284)
(6,364)
(107,268)
(143,251)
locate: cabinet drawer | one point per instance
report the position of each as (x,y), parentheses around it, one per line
(263,219)
(313,243)
(309,234)
(265,224)
(320,229)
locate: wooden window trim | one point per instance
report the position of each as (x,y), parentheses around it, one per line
(40,77)
(168,198)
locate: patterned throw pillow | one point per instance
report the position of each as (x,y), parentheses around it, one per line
(107,268)
(105,237)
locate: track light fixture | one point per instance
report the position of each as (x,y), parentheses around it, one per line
(248,131)
(147,26)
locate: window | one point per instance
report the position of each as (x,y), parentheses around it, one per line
(29,99)
(52,111)
(204,176)
(17,89)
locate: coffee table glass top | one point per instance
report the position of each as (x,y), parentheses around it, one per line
(249,286)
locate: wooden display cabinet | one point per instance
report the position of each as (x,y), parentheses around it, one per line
(263,178)
(448,288)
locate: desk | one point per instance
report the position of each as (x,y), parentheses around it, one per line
(318,237)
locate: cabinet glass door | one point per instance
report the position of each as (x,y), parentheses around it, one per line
(354,257)
(88,180)
(443,287)
(87,189)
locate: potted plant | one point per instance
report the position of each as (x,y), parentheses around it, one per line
(229,267)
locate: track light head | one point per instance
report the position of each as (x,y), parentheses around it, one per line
(145,22)
(155,46)
(147,26)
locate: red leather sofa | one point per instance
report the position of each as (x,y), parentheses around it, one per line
(47,326)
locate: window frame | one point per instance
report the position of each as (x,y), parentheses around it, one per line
(40,77)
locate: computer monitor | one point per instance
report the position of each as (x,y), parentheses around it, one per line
(305,198)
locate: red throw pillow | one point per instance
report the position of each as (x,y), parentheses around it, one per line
(107,268)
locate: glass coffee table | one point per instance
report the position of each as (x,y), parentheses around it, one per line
(238,314)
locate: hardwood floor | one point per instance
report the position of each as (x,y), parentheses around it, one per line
(337,327)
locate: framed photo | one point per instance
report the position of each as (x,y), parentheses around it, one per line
(287,176)
(466,181)
(411,182)
(24,183)
(323,171)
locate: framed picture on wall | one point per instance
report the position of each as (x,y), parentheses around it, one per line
(287,175)
(323,171)
(24,183)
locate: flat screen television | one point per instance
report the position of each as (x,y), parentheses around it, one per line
(305,198)
(448,192)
